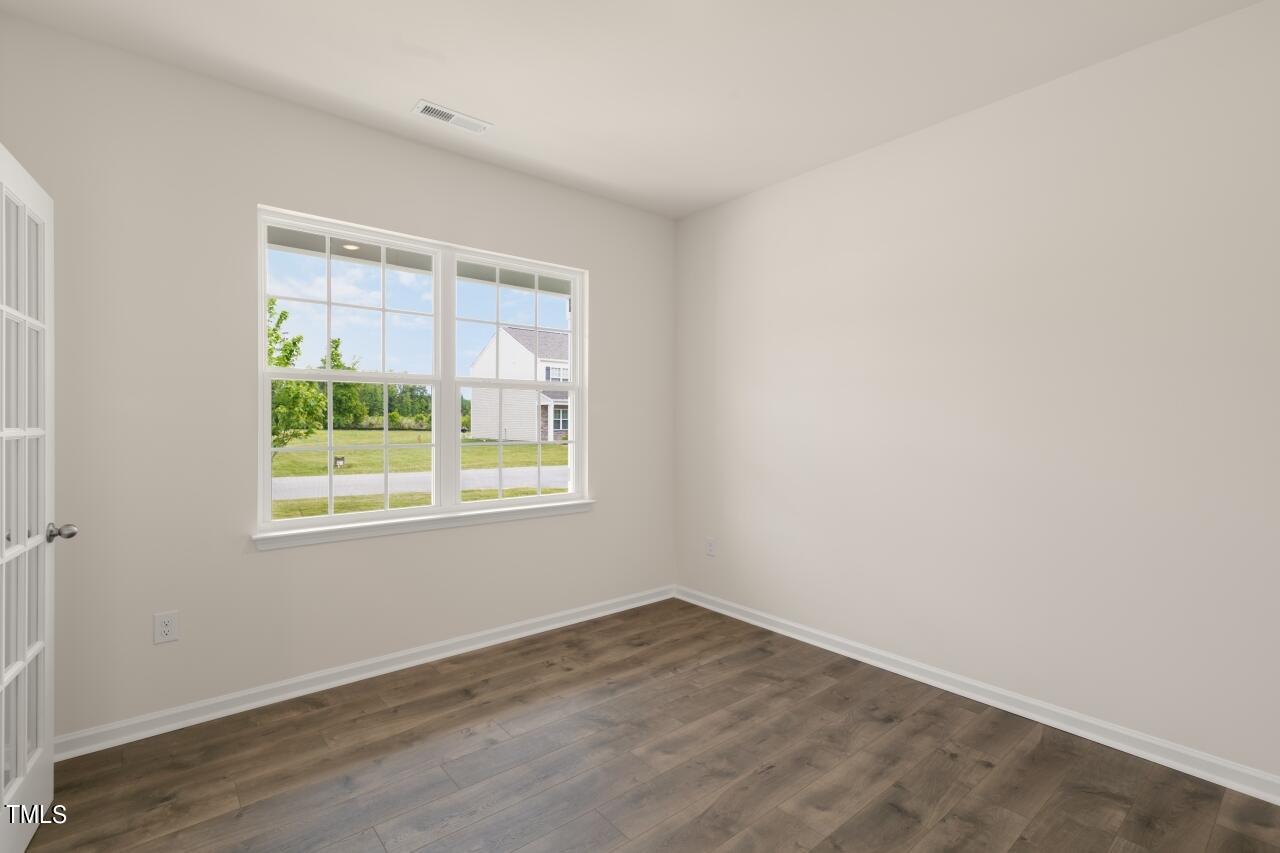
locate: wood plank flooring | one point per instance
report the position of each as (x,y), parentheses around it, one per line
(667,727)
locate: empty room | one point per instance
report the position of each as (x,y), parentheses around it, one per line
(701,426)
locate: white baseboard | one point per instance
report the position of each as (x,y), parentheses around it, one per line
(1229,774)
(146,725)
(1238,777)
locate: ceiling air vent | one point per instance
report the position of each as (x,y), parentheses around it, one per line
(453,117)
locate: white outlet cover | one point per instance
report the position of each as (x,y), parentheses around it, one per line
(711,547)
(165,627)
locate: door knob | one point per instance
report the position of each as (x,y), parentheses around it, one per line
(66,531)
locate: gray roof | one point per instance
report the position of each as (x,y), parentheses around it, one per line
(555,396)
(553,345)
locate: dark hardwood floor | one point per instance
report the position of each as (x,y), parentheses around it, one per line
(667,727)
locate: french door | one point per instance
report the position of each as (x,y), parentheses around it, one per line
(26,584)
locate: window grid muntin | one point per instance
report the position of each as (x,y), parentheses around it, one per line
(539,443)
(331,447)
(445,454)
(329,303)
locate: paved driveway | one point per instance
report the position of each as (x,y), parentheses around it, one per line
(288,488)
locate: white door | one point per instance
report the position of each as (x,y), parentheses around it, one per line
(26,590)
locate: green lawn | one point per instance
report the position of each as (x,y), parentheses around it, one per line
(404,456)
(485,455)
(315,462)
(491,494)
(303,507)
(306,507)
(352,437)
(360,458)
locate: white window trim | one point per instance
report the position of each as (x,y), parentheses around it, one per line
(447,512)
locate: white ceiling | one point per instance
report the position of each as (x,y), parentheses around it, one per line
(670,105)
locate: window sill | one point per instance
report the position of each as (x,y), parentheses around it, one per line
(270,540)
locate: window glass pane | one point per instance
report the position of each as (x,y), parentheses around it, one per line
(479,478)
(10,745)
(357,413)
(299,484)
(35,268)
(477,300)
(35,594)
(553,356)
(12,647)
(35,486)
(479,452)
(477,352)
(519,470)
(553,311)
(519,414)
(34,673)
(555,475)
(479,272)
(357,339)
(295,264)
(516,357)
(480,413)
(516,306)
(409,414)
(517,278)
(295,334)
(13,465)
(516,297)
(12,220)
(410,284)
(554,422)
(359,478)
(410,343)
(299,413)
(355,272)
(35,377)
(12,374)
(410,477)
(553,302)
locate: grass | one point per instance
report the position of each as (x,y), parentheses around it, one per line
(408,459)
(362,453)
(306,507)
(492,494)
(315,462)
(355,437)
(485,455)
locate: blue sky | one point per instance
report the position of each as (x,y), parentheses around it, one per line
(409,338)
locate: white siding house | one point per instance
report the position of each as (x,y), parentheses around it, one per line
(523,353)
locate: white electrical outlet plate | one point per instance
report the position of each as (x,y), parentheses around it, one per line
(711,547)
(165,627)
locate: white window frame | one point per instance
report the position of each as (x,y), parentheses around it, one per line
(447,509)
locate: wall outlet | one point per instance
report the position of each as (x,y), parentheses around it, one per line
(711,547)
(165,627)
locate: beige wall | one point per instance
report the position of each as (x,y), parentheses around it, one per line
(156,174)
(1002,396)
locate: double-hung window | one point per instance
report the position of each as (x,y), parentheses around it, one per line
(410,383)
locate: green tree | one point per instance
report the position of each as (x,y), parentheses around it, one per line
(410,405)
(334,360)
(354,403)
(282,351)
(350,406)
(297,408)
